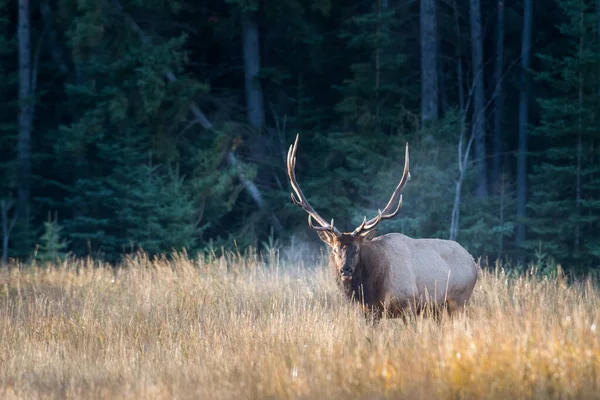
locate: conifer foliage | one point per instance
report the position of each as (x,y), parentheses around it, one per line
(565,196)
(162,126)
(52,246)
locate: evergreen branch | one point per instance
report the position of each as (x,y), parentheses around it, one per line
(201,118)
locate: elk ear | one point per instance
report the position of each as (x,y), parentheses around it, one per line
(326,236)
(370,234)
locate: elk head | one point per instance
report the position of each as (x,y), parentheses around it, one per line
(345,246)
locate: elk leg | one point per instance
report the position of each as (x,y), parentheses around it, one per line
(373,314)
(453,307)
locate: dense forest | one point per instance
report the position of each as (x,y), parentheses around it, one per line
(161,125)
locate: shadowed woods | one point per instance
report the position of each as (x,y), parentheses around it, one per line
(237,325)
(159,126)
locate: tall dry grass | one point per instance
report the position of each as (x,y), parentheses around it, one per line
(234,327)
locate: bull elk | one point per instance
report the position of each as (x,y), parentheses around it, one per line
(392,274)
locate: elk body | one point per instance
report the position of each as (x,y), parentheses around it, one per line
(392,274)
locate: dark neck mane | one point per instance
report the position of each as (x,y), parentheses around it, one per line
(367,284)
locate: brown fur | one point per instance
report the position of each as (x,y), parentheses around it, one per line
(392,274)
(367,286)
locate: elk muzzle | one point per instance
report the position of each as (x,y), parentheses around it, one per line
(346,273)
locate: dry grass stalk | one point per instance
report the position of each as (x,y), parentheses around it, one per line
(233,327)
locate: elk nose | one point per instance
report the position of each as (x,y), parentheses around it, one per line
(346,271)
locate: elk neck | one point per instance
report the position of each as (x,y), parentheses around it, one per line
(368,282)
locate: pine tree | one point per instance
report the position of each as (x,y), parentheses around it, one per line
(126,117)
(157,212)
(8,134)
(52,247)
(375,97)
(565,195)
(366,148)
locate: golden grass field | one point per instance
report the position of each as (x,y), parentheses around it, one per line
(237,328)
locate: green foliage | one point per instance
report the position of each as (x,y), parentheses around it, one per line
(374,98)
(52,246)
(117,153)
(487,225)
(7,107)
(564,206)
(119,162)
(244,5)
(8,126)
(214,188)
(156,213)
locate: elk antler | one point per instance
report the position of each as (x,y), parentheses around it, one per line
(367,226)
(301,201)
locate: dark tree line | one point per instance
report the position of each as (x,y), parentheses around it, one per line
(165,125)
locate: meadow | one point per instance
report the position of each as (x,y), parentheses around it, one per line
(240,327)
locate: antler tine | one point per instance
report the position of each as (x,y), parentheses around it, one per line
(328,227)
(403,181)
(362,225)
(385,214)
(299,198)
(373,222)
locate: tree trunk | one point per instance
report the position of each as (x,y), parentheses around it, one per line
(25,114)
(498,96)
(463,157)
(252,190)
(579,139)
(7,227)
(443,92)
(523,118)
(429,69)
(479,98)
(251,50)
(200,117)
